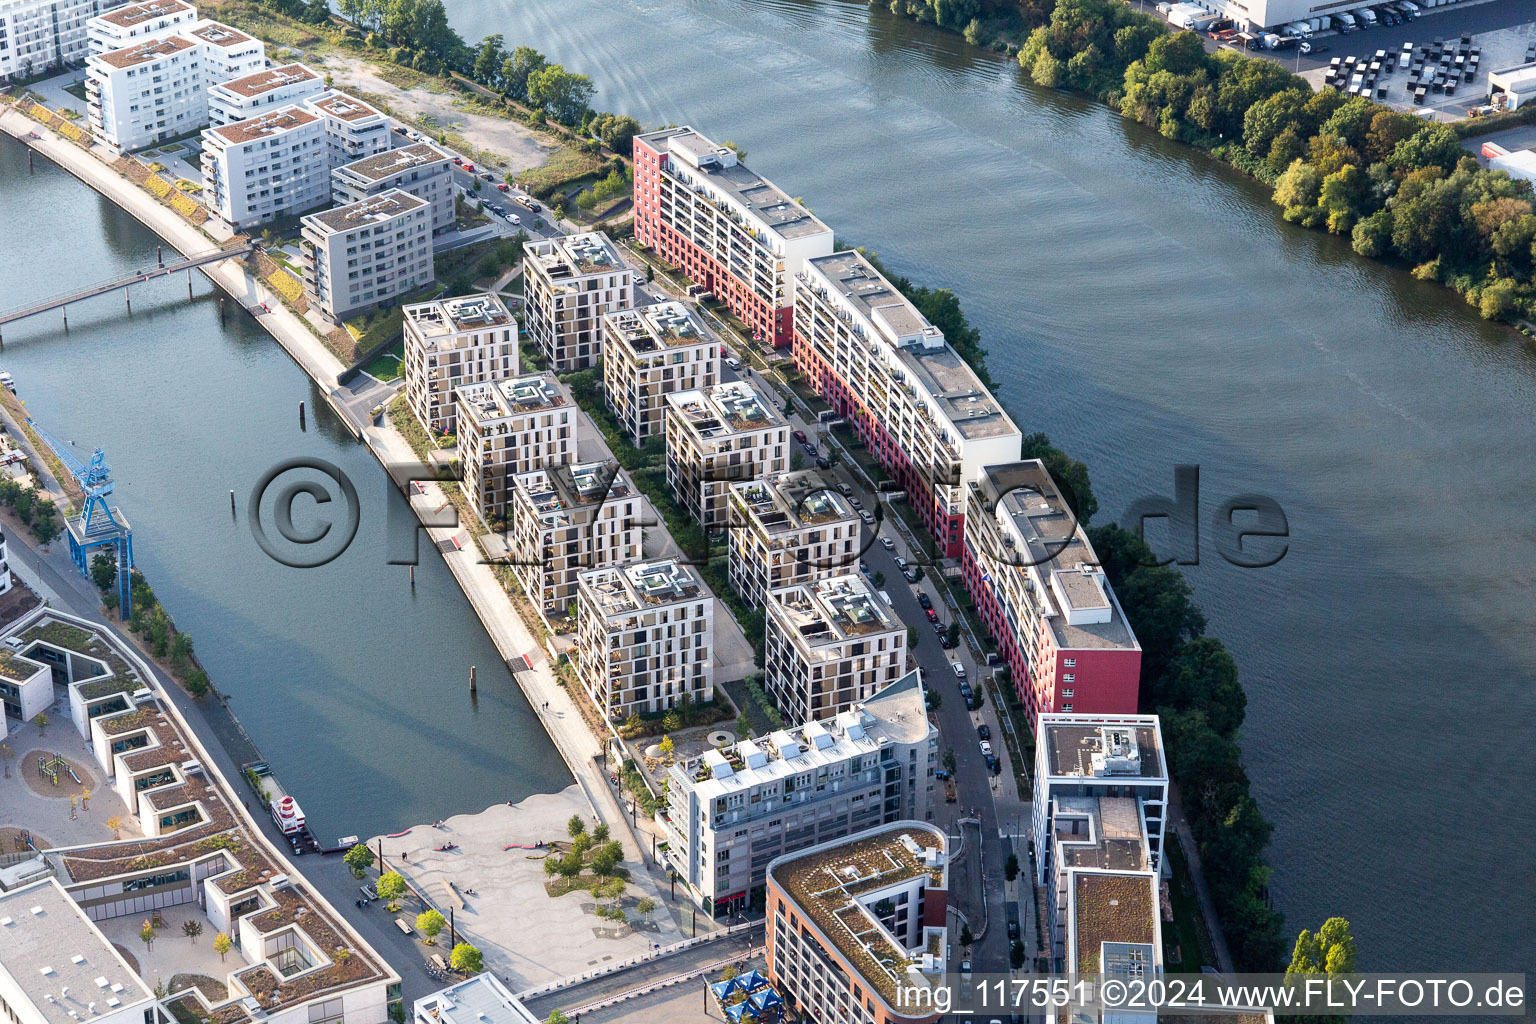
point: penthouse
(570, 284)
(509, 427)
(367, 254)
(645, 636)
(133, 22)
(831, 644)
(353, 129)
(925, 415)
(196, 851)
(452, 343)
(649, 353)
(1098, 755)
(420, 169)
(728, 228)
(717, 436)
(855, 922)
(242, 98)
(787, 528)
(565, 520)
(1044, 597)
(733, 810)
(265, 167)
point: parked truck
(1367, 17)
(1345, 22)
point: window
(1069, 662)
(1067, 708)
(1069, 678)
(1067, 694)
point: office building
(241, 99)
(649, 353)
(925, 415)
(451, 343)
(727, 228)
(366, 255)
(731, 811)
(831, 644)
(508, 427)
(420, 169)
(353, 129)
(646, 637)
(788, 528)
(717, 436)
(1043, 596)
(272, 165)
(569, 284)
(857, 927)
(565, 520)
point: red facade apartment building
(729, 229)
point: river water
(1142, 306)
(353, 686)
(1146, 309)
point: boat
(7, 381)
(289, 816)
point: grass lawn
(565, 165)
(77, 91)
(389, 364)
(1185, 934)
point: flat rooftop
(919, 348)
(517, 396)
(263, 82)
(482, 999)
(643, 586)
(394, 161)
(1113, 749)
(721, 410)
(662, 325)
(136, 14)
(440, 317)
(835, 884)
(1111, 908)
(216, 34)
(591, 252)
(343, 107)
(831, 609)
(143, 53)
(784, 502)
(719, 170)
(272, 123)
(1113, 840)
(62, 962)
(565, 489)
(367, 211)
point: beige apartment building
(717, 436)
(570, 283)
(366, 255)
(831, 643)
(646, 637)
(450, 343)
(565, 520)
(652, 352)
(788, 528)
(509, 427)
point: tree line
(1398, 187)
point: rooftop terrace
(658, 327)
(366, 212)
(785, 502)
(344, 108)
(725, 409)
(519, 396)
(575, 255)
(441, 317)
(136, 14)
(143, 53)
(643, 586)
(215, 34)
(1117, 748)
(567, 488)
(264, 126)
(831, 609)
(394, 161)
(263, 82)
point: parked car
(864, 567)
(887, 543)
(823, 463)
(799, 435)
(458, 161)
(733, 363)
(925, 600)
(855, 502)
(933, 616)
(503, 187)
(901, 563)
(986, 749)
(1013, 931)
(513, 218)
(938, 627)
(845, 490)
(470, 168)
(947, 644)
(984, 731)
(912, 575)
(488, 176)
(959, 669)
(810, 450)
(866, 517)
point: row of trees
(151, 622)
(38, 514)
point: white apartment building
(482, 999)
(645, 637)
(717, 436)
(788, 528)
(1080, 756)
(36, 35)
(857, 928)
(366, 254)
(728, 228)
(421, 169)
(831, 644)
(731, 811)
(888, 371)
(353, 129)
(649, 353)
(565, 520)
(569, 284)
(452, 343)
(241, 99)
(157, 88)
(134, 23)
(509, 427)
(269, 166)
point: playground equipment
(24, 841)
(51, 766)
(98, 525)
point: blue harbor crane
(97, 525)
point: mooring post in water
(160, 255)
(128, 300)
(65, 310)
(231, 502)
(472, 679)
(301, 416)
(189, 284)
(413, 577)
(30, 154)
(221, 311)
